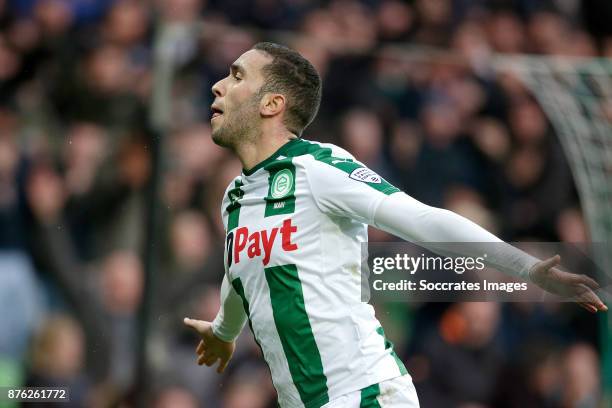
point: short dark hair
(294, 76)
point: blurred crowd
(75, 142)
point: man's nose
(217, 88)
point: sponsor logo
(281, 184)
(366, 175)
(259, 244)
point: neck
(260, 148)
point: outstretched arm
(346, 188)
(437, 228)
(407, 218)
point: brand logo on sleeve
(282, 184)
(366, 175)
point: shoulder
(317, 150)
(330, 149)
(326, 164)
(311, 154)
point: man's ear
(272, 104)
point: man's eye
(236, 77)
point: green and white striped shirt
(295, 224)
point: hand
(211, 348)
(580, 288)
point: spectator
(121, 294)
(464, 341)
(58, 359)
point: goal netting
(576, 95)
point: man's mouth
(216, 112)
